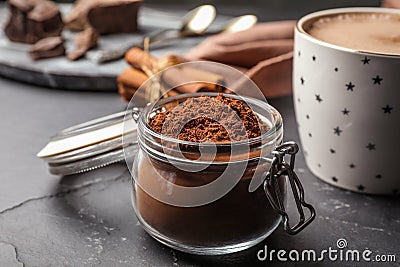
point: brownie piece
(105, 16)
(47, 48)
(32, 20)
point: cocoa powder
(236, 218)
(209, 119)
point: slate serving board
(61, 73)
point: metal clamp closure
(279, 170)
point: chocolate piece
(87, 38)
(47, 48)
(77, 54)
(84, 41)
(105, 16)
(120, 16)
(76, 19)
(178, 122)
(32, 20)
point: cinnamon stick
(134, 78)
(193, 80)
(127, 90)
(189, 79)
(138, 58)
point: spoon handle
(103, 56)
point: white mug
(347, 106)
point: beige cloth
(264, 53)
(391, 3)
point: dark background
(265, 9)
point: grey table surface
(87, 219)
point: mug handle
(280, 170)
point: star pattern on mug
(337, 131)
(350, 86)
(371, 146)
(360, 187)
(365, 60)
(345, 111)
(377, 80)
(387, 109)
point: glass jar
(207, 198)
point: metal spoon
(195, 22)
(239, 24)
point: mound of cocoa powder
(209, 119)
